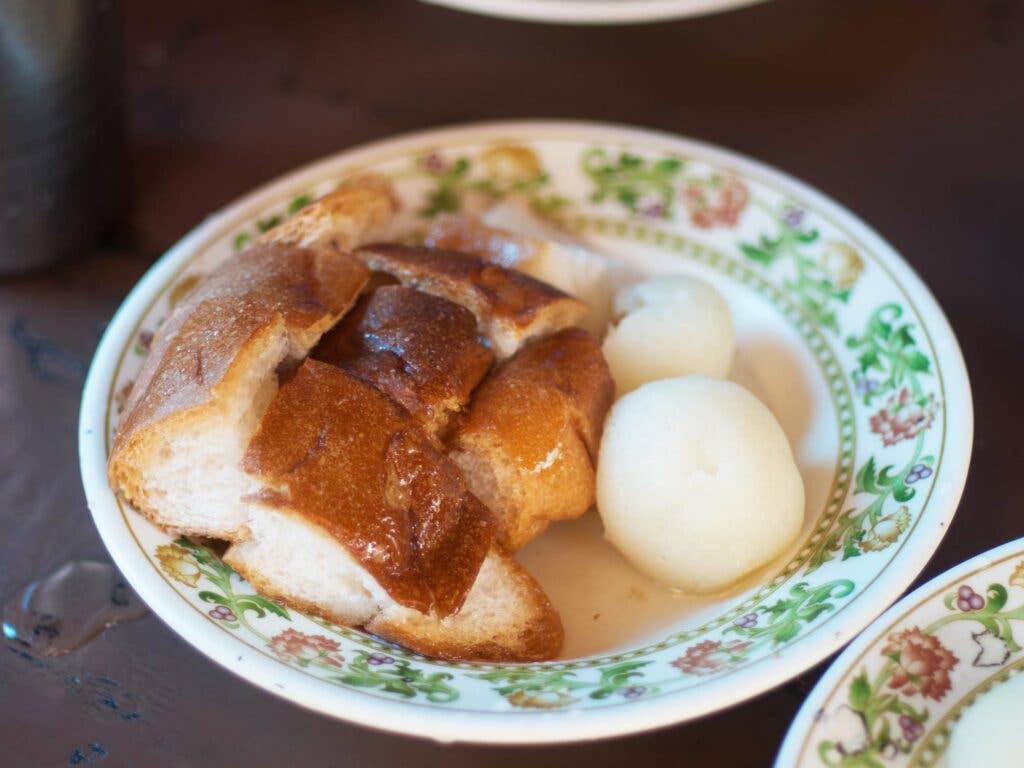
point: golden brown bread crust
(538, 637)
(358, 210)
(421, 350)
(571, 363)
(349, 460)
(200, 343)
(509, 306)
(465, 234)
(528, 443)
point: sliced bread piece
(528, 444)
(213, 366)
(421, 350)
(358, 211)
(511, 235)
(505, 617)
(211, 371)
(510, 307)
(364, 521)
(468, 234)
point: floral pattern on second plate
(888, 708)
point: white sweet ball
(671, 325)
(696, 482)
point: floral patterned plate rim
(884, 437)
(896, 695)
(595, 11)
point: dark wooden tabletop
(910, 112)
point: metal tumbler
(62, 169)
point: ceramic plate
(835, 333)
(594, 11)
(897, 696)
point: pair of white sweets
(696, 481)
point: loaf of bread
(528, 444)
(376, 475)
(213, 366)
(421, 350)
(510, 307)
(389, 536)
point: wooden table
(909, 112)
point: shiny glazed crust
(421, 350)
(528, 443)
(510, 307)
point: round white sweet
(671, 325)
(696, 482)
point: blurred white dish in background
(937, 680)
(594, 11)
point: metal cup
(62, 169)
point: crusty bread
(511, 235)
(505, 617)
(359, 211)
(334, 498)
(468, 234)
(390, 537)
(210, 373)
(213, 365)
(421, 350)
(510, 307)
(528, 444)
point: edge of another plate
(593, 12)
(793, 744)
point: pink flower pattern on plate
(710, 656)
(903, 417)
(302, 649)
(922, 662)
(715, 206)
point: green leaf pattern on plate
(398, 676)
(461, 183)
(553, 688)
(822, 276)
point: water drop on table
(70, 607)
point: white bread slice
(363, 521)
(212, 369)
(510, 307)
(211, 372)
(528, 444)
(511, 235)
(505, 617)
